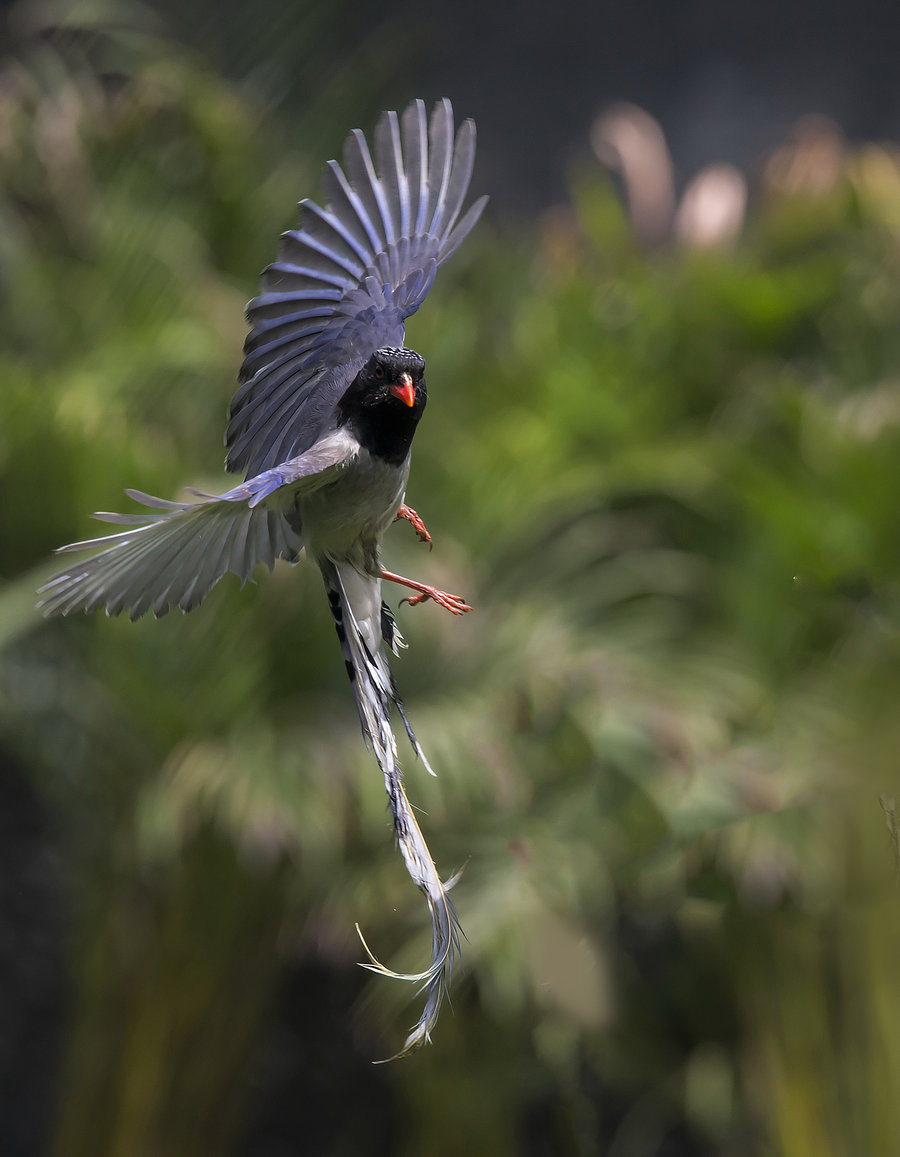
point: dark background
(725, 81)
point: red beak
(404, 391)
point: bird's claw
(452, 603)
(407, 513)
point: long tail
(361, 621)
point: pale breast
(347, 518)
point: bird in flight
(321, 427)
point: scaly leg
(419, 526)
(452, 603)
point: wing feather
(440, 160)
(346, 205)
(266, 354)
(459, 175)
(285, 277)
(361, 173)
(414, 127)
(306, 246)
(389, 157)
(344, 282)
(322, 224)
(463, 229)
(175, 556)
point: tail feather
(390, 633)
(375, 691)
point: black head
(384, 402)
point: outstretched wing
(176, 555)
(344, 283)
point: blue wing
(344, 283)
(176, 555)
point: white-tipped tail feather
(359, 626)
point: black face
(384, 402)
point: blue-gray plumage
(321, 425)
(344, 284)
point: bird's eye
(379, 371)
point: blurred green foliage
(670, 484)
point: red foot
(419, 526)
(452, 603)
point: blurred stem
(824, 989)
(154, 1067)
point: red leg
(419, 526)
(452, 603)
